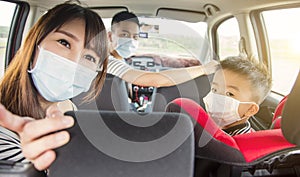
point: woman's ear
(253, 109)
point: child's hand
(36, 136)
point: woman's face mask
(126, 46)
(223, 109)
(57, 78)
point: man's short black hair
(125, 16)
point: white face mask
(223, 109)
(57, 78)
(126, 46)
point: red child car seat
(266, 152)
(276, 121)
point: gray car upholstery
(113, 96)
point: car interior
(155, 135)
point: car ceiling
(150, 7)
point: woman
(58, 60)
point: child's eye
(229, 94)
(65, 43)
(90, 58)
(213, 90)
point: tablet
(126, 144)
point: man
(124, 35)
(123, 39)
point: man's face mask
(126, 47)
(223, 109)
(57, 78)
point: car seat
(276, 121)
(127, 144)
(194, 89)
(260, 153)
(113, 96)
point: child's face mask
(126, 46)
(223, 109)
(57, 78)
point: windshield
(171, 43)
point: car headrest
(127, 144)
(113, 96)
(291, 115)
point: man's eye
(124, 35)
(90, 58)
(213, 90)
(229, 94)
(65, 43)
(136, 37)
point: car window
(228, 34)
(283, 32)
(7, 10)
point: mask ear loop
(30, 66)
(100, 69)
(100, 65)
(250, 109)
(244, 118)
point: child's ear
(254, 108)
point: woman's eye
(90, 58)
(213, 90)
(65, 43)
(229, 94)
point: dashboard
(146, 63)
(141, 96)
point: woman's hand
(37, 136)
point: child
(238, 87)
(236, 91)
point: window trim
(262, 37)
(260, 32)
(16, 29)
(214, 36)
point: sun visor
(181, 14)
(109, 11)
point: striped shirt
(10, 146)
(117, 67)
(239, 129)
